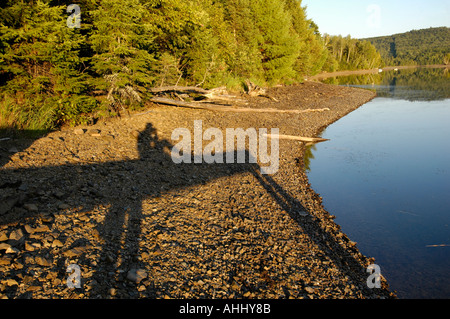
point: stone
(136, 275)
(7, 203)
(31, 207)
(4, 246)
(16, 235)
(310, 290)
(12, 250)
(3, 236)
(4, 261)
(41, 261)
(11, 282)
(63, 206)
(78, 131)
(42, 229)
(57, 243)
(29, 247)
(59, 194)
(23, 187)
(75, 252)
(302, 213)
(29, 229)
(94, 132)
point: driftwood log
(214, 107)
(297, 138)
(220, 94)
(255, 90)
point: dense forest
(61, 63)
(350, 54)
(417, 47)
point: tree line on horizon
(52, 74)
(417, 47)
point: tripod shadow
(122, 186)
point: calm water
(385, 174)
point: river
(385, 175)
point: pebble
(136, 275)
(12, 250)
(31, 207)
(57, 243)
(4, 261)
(141, 227)
(41, 261)
(3, 236)
(4, 246)
(63, 206)
(41, 229)
(16, 235)
(29, 229)
(78, 131)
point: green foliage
(350, 54)
(417, 47)
(41, 66)
(121, 40)
(51, 74)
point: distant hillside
(417, 47)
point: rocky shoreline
(108, 200)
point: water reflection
(385, 174)
(417, 84)
(308, 156)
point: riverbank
(109, 200)
(327, 75)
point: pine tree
(122, 40)
(245, 61)
(44, 81)
(278, 45)
(312, 51)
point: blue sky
(369, 18)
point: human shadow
(121, 187)
(340, 253)
(14, 141)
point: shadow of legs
(322, 236)
(120, 231)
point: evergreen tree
(278, 45)
(41, 66)
(245, 60)
(312, 50)
(351, 54)
(52, 74)
(121, 40)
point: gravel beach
(108, 200)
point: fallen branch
(219, 94)
(212, 107)
(192, 105)
(254, 90)
(297, 138)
